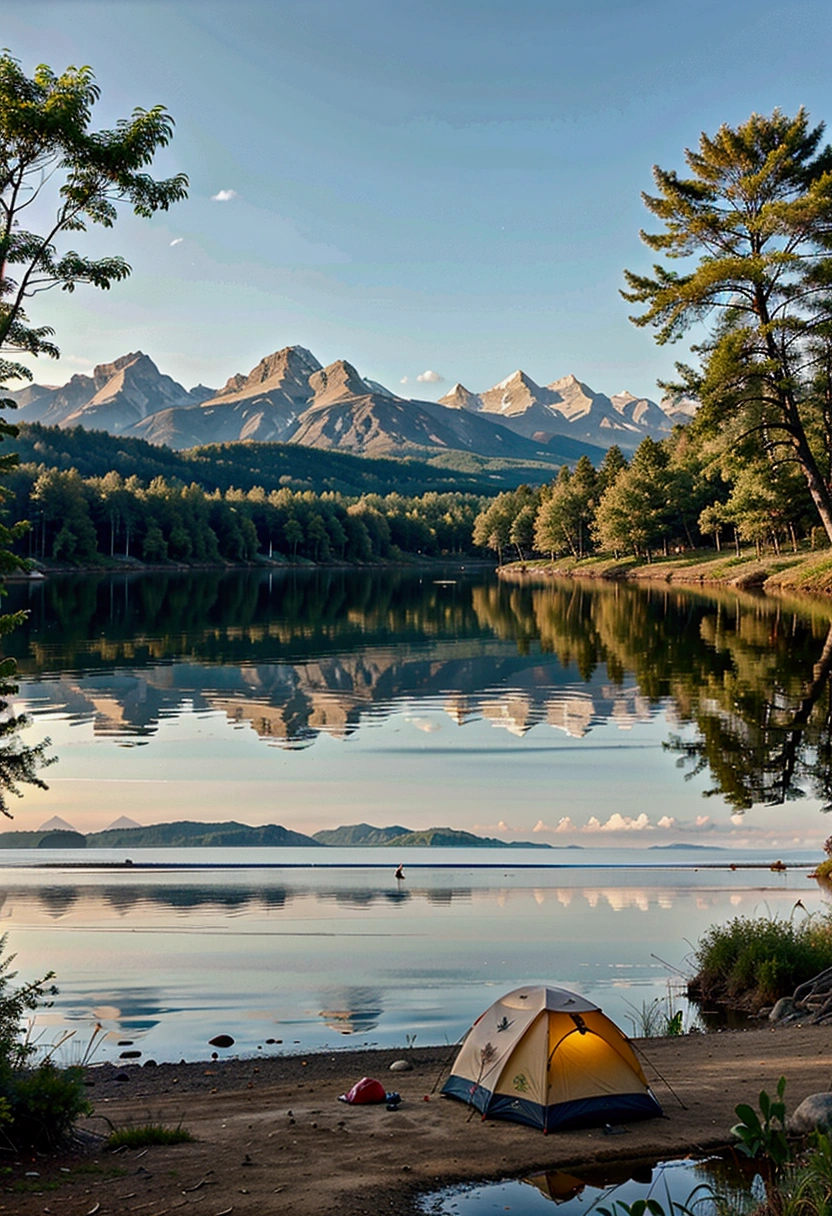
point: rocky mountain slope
(290, 397)
(570, 407)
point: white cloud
(565, 825)
(224, 196)
(540, 826)
(429, 377)
(176, 241)
(666, 821)
(403, 380)
(701, 820)
(619, 823)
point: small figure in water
(400, 870)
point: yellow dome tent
(552, 1059)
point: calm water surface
(603, 721)
(330, 957)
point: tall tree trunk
(815, 482)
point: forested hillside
(221, 466)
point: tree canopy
(756, 215)
(69, 175)
(55, 167)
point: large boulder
(782, 1009)
(813, 1114)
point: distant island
(700, 848)
(186, 834)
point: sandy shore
(272, 1139)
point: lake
(327, 956)
(652, 738)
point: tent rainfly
(552, 1059)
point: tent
(552, 1059)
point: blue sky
(450, 186)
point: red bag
(365, 1090)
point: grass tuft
(147, 1135)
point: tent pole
(658, 1074)
(447, 1062)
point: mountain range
(290, 398)
(187, 834)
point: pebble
(221, 1040)
(401, 1066)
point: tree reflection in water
(752, 673)
(294, 655)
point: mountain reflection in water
(295, 655)
(303, 959)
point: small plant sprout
(767, 1137)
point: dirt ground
(272, 1139)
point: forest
(680, 493)
(77, 520)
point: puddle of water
(686, 1182)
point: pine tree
(756, 215)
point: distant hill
(451, 837)
(62, 839)
(363, 834)
(359, 834)
(198, 835)
(700, 848)
(220, 466)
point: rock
(122, 1076)
(129, 1055)
(401, 1066)
(813, 1114)
(221, 1040)
(782, 1009)
(150, 1064)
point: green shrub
(824, 869)
(753, 962)
(43, 1104)
(38, 1103)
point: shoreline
(802, 574)
(272, 1138)
(41, 571)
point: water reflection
(312, 957)
(682, 1185)
(353, 1010)
(294, 656)
(658, 894)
